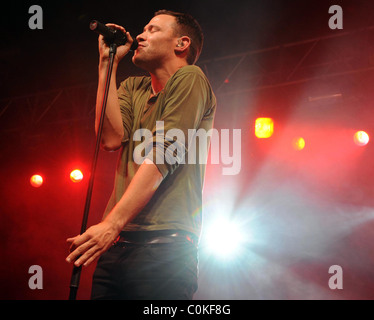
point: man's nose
(140, 37)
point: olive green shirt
(186, 103)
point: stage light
(361, 138)
(76, 176)
(36, 180)
(299, 143)
(224, 238)
(264, 128)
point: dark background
(303, 211)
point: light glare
(224, 238)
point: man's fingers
(79, 245)
(129, 37)
(88, 246)
(90, 256)
(79, 240)
(116, 26)
(71, 240)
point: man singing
(147, 241)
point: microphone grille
(93, 25)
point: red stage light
(361, 138)
(36, 180)
(264, 128)
(76, 176)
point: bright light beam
(224, 238)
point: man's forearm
(139, 192)
(88, 246)
(113, 131)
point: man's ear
(183, 44)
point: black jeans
(166, 271)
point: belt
(154, 237)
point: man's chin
(140, 63)
(135, 60)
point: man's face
(156, 43)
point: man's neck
(161, 76)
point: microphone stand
(75, 276)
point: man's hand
(87, 247)
(121, 50)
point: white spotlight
(224, 238)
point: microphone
(111, 35)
